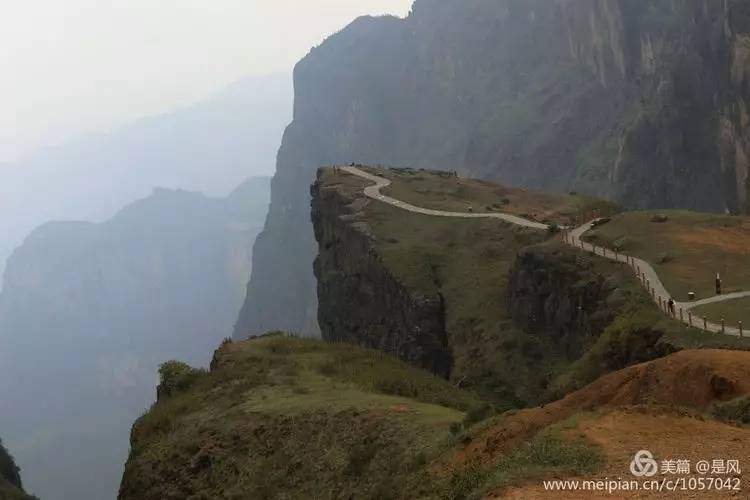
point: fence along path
(642, 269)
(650, 279)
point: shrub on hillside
(8, 468)
(547, 454)
(479, 413)
(175, 376)
(737, 410)
(601, 221)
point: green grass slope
(442, 191)
(282, 417)
(687, 250)
(467, 262)
(731, 311)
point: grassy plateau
(687, 250)
(731, 311)
(442, 191)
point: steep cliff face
(594, 315)
(509, 311)
(89, 311)
(641, 102)
(559, 293)
(434, 290)
(362, 301)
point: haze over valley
(393, 249)
(209, 147)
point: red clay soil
(667, 434)
(691, 379)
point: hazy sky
(77, 66)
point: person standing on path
(718, 284)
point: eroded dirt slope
(692, 379)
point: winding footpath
(650, 280)
(642, 269)
(380, 183)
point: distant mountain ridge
(209, 147)
(90, 310)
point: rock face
(595, 315)
(511, 312)
(361, 301)
(559, 294)
(89, 311)
(642, 102)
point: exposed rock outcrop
(361, 300)
(557, 292)
(592, 313)
(642, 102)
(511, 312)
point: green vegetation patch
(732, 311)
(640, 332)
(550, 453)
(10, 478)
(175, 376)
(467, 263)
(687, 249)
(375, 371)
(737, 410)
(442, 191)
(293, 418)
(9, 491)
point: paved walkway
(717, 298)
(643, 270)
(650, 279)
(380, 183)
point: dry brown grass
(667, 433)
(687, 251)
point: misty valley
(449, 249)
